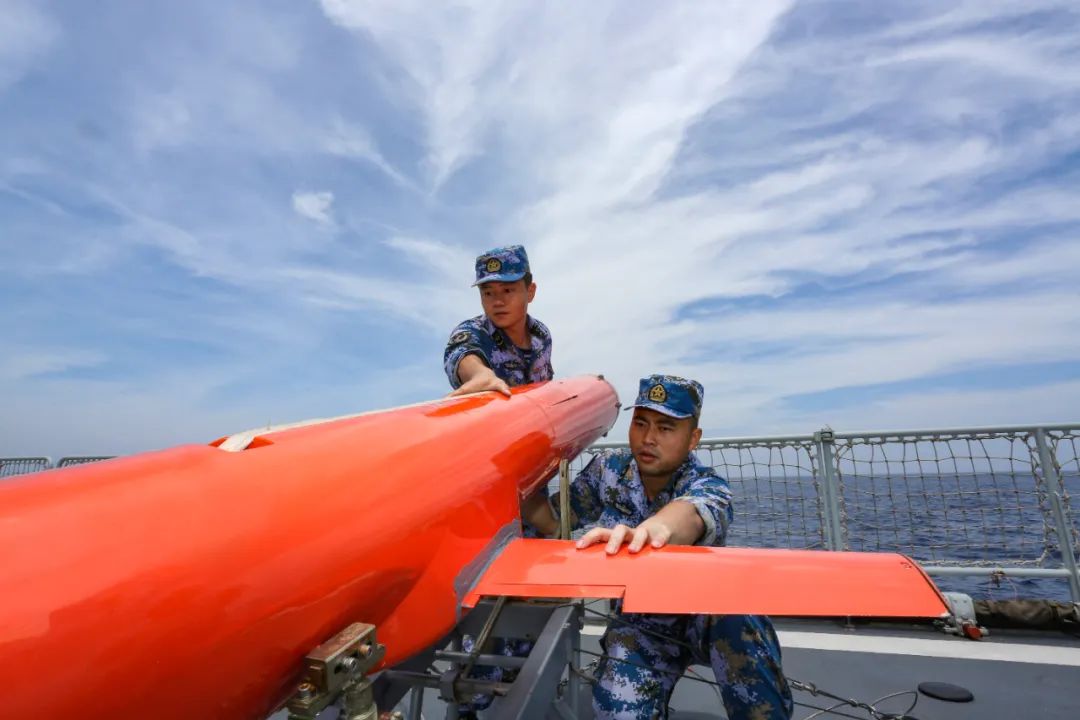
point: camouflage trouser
(499, 646)
(743, 651)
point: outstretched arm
(476, 376)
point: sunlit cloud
(862, 217)
(314, 206)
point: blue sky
(217, 215)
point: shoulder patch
(460, 337)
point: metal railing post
(564, 499)
(826, 450)
(1055, 492)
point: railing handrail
(915, 489)
(849, 435)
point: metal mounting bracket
(338, 668)
(961, 619)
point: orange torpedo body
(190, 582)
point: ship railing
(11, 466)
(982, 501)
(81, 460)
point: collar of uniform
(532, 326)
(536, 328)
(688, 466)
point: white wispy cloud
(569, 83)
(355, 142)
(314, 206)
(18, 365)
(607, 124)
(781, 199)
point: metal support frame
(538, 680)
(961, 619)
(533, 693)
(389, 689)
(830, 488)
(1055, 492)
(518, 618)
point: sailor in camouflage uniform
(505, 346)
(658, 493)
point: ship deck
(1011, 674)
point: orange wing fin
(716, 581)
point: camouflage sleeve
(711, 496)
(549, 371)
(466, 339)
(585, 506)
(543, 362)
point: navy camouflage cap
(670, 395)
(505, 264)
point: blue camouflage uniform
(514, 366)
(479, 336)
(648, 653)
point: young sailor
(500, 349)
(505, 346)
(657, 493)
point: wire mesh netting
(774, 484)
(777, 498)
(944, 498)
(1065, 447)
(971, 499)
(964, 498)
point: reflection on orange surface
(457, 405)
